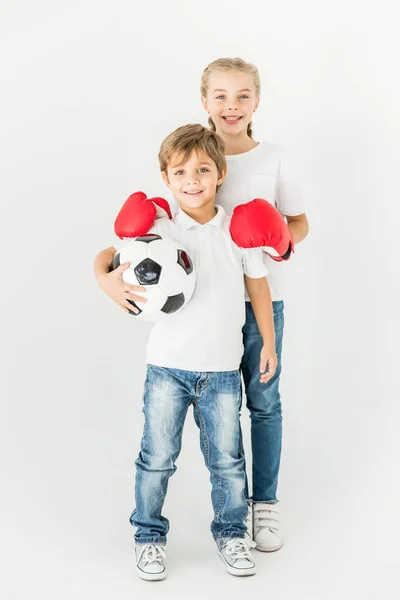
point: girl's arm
(260, 297)
(298, 225)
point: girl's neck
(237, 144)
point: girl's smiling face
(231, 101)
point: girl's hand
(268, 359)
(114, 286)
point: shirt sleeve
(253, 264)
(289, 198)
(165, 228)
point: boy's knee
(155, 461)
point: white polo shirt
(206, 335)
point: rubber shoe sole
(237, 572)
(151, 576)
(260, 549)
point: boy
(193, 356)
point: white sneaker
(267, 534)
(237, 558)
(249, 524)
(150, 561)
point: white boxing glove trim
(270, 250)
(160, 212)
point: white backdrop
(89, 90)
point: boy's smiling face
(193, 182)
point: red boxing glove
(259, 224)
(138, 214)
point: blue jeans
(264, 403)
(216, 399)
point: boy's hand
(268, 359)
(114, 286)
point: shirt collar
(187, 222)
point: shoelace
(267, 517)
(239, 548)
(153, 553)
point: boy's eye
(178, 173)
(204, 169)
(243, 96)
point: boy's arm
(111, 282)
(102, 264)
(260, 297)
(137, 216)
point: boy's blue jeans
(264, 403)
(216, 399)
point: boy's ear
(204, 103)
(222, 177)
(165, 178)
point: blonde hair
(230, 64)
(193, 138)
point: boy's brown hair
(192, 138)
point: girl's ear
(165, 179)
(204, 103)
(257, 103)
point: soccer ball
(164, 268)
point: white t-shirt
(206, 335)
(262, 172)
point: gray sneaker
(151, 561)
(268, 535)
(237, 558)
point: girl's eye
(243, 96)
(218, 97)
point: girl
(230, 93)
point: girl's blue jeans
(264, 403)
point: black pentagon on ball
(136, 306)
(148, 237)
(173, 304)
(185, 261)
(148, 272)
(115, 261)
